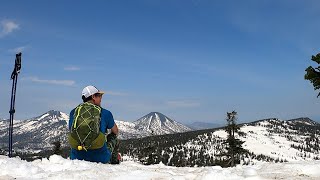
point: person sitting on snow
(88, 125)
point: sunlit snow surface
(58, 168)
(276, 145)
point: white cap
(90, 90)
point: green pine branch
(313, 74)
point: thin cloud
(72, 68)
(18, 49)
(55, 82)
(112, 93)
(183, 103)
(7, 27)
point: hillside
(37, 133)
(268, 140)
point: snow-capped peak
(156, 123)
(52, 115)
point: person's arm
(114, 129)
(109, 122)
(71, 118)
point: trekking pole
(14, 77)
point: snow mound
(59, 168)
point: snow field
(57, 167)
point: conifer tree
(57, 148)
(234, 145)
(313, 74)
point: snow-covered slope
(127, 130)
(36, 133)
(283, 140)
(270, 140)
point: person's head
(92, 94)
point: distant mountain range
(204, 125)
(295, 139)
(36, 133)
(40, 132)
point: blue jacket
(103, 154)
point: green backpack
(85, 131)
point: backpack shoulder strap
(76, 115)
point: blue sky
(191, 60)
